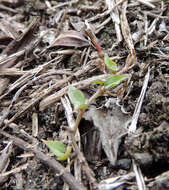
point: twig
(82, 159)
(15, 170)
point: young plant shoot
(59, 149)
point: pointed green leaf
(66, 154)
(57, 147)
(77, 98)
(114, 80)
(111, 65)
(96, 80)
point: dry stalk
(126, 29)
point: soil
(44, 49)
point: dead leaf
(112, 126)
(71, 38)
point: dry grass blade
(115, 182)
(29, 76)
(115, 18)
(152, 27)
(69, 113)
(16, 170)
(147, 3)
(114, 13)
(4, 59)
(12, 72)
(4, 161)
(89, 173)
(126, 29)
(4, 157)
(17, 46)
(133, 125)
(3, 85)
(139, 177)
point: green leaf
(96, 80)
(66, 154)
(112, 66)
(77, 98)
(57, 147)
(114, 80)
(82, 107)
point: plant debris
(93, 76)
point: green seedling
(66, 154)
(96, 80)
(110, 82)
(114, 80)
(77, 98)
(59, 150)
(111, 65)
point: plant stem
(78, 119)
(98, 93)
